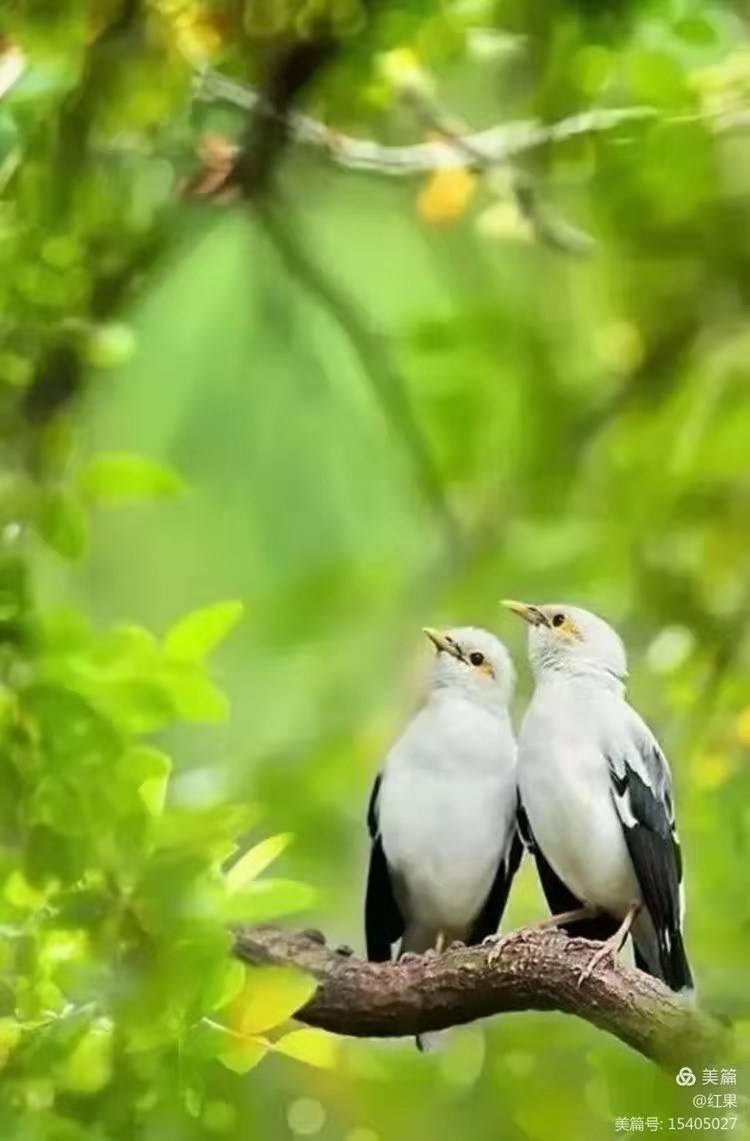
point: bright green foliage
(114, 477)
(114, 905)
(195, 636)
(408, 398)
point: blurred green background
(586, 419)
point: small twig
(531, 970)
(545, 224)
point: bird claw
(611, 946)
(494, 942)
(608, 951)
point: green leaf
(10, 1034)
(249, 866)
(89, 1067)
(315, 1047)
(266, 899)
(110, 345)
(195, 696)
(120, 476)
(20, 893)
(211, 829)
(62, 522)
(227, 982)
(194, 637)
(74, 734)
(152, 769)
(135, 705)
(270, 996)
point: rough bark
(531, 970)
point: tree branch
(268, 121)
(532, 970)
(494, 145)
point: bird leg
(554, 921)
(574, 916)
(422, 1041)
(438, 946)
(611, 946)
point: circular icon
(685, 1077)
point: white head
(569, 640)
(474, 663)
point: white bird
(596, 790)
(442, 814)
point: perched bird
(596, 791)
(442, 814)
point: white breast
(565, 789)
(447, 807)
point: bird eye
(558, 619)
(476, 658)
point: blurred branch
(268, 122)
(60, 370)
(492, 147)
(531, 970)
(373, 354)
(249, 169)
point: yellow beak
(439, 640)
(531, 614)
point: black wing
(488, 920)
(384, 924)
(559, 897)
(642, 794)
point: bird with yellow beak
(596, 793)
(442, 815)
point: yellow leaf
(447, 195)
(256, 861)
(312, 1046)
(270, 996)
(242, 1054)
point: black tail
(674, 962)
(673, 966)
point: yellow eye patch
(570, 630)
